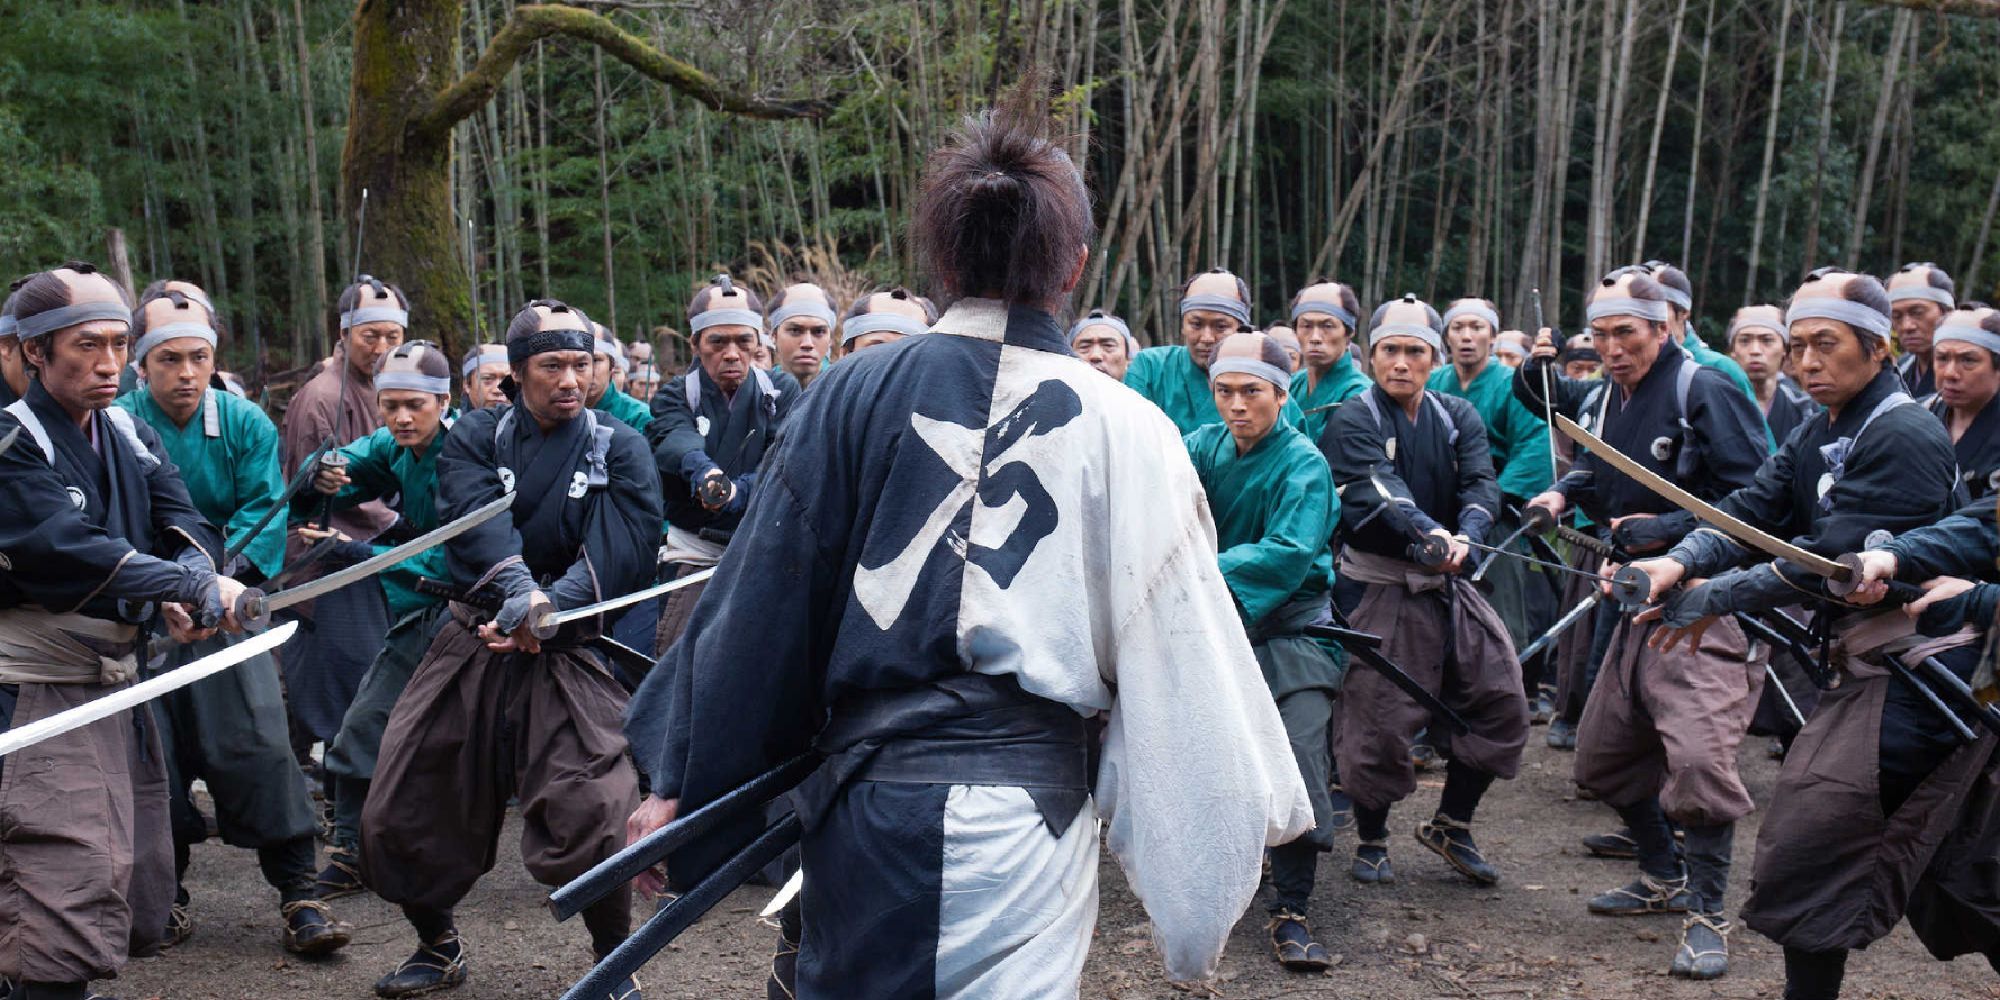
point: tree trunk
(316, 217)
(604, 198)
(1985, 233)
(1694, 147)
(121, 261)
(1884, 100)
(1825, 136)
(1770, 152)
(1659, 126)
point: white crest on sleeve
(76, 497)
(506, 479)
(579, 484)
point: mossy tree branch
(533, 22)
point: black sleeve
(621, 532)
(1478, 487)
(1366, 480)
(468, 478)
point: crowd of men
(892, 510)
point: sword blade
(1563, 624)
(1815, 564)
(142, 692)
(375, 564)
(8, 441)
(630, 599)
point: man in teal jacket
(1214, 304)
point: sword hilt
(251, 610)
(1537, 520)
(1845, 584)
(1630, 587)
(542, 619)
(1430, 551)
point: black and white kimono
(475, 727)
(1978, 449)
(95, 528)
(1846, 836)
(936, 591)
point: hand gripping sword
(254, 607)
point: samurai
(1104, 342)
(1760, 344)
(13, 369)
(396, 464)
(1920, 295)
(608, 368)
(1324, 314)
(1275, 511)
(230, 730)
(340, 632)
(480, 374)
(801, 320)
(1965, 360)
(711, 429)
(100, 543)
(884, 317)
(939, 595)
(1847, 832)
(1214, 304)
(1658, 738)
(1411, 463)
(493, 712)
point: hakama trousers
(474, 728)
(351, 757)
(86, 855)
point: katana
(680, 914)
(1548, 389)
(1942, 679)
(1735, 528)
(138, 694)
(1366, 648)
(1791, 707)
(8, 441)
(547, 624)
(1563, 624)
(308, 470)
(1535, 520)
(254, 607)
(1630, 585)
(653, 848)
(1759, 630)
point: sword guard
(1431, 551)
(1537, 520)
(251, 612)
(1630, 587)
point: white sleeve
(1198, 776)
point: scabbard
(1365, 647)
(680, 914)
(650, 850)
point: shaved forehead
(1325, 291)
(1256, 347)
(1832, 285)
(1284, 335)
(1223, 284)
(1400, 313)
(883, 302)
(89, 287)
(552, 320)
(806, 291)
(161, 311)
(1916, 277)
(1967, 318)
(1768, 317)
(1620, 287)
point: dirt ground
(1431, 935)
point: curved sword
(1817, 565)
(254, 607)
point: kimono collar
(1882, 393)
(1013, 325)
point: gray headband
(1853, 314)
(1250, 366)
(1652, 309)
(7, 325)
(1217, 303)
(1924, 292)
(413, 381)
(1473, 309)
(882, 322)
(1678, 297)
(1115, 323)
(44, 323)
(726, 317)
(1508, 347)
(490, 354)
(172, 331)
(1423, 333)
(1333, 309)
(1736, 325)
(808, 309)
(610, 350)
(375, 314)
(1974, 335)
